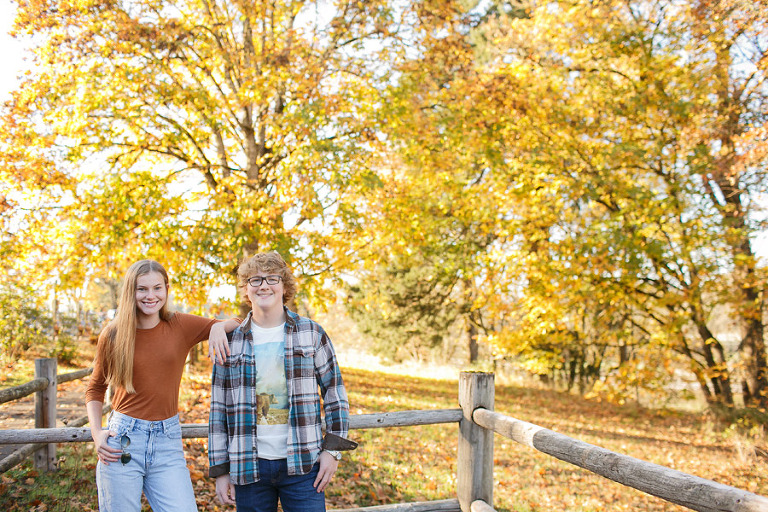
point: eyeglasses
(125, 442)
(256, 281)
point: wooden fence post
(475, 459)
(45, 412)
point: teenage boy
(265, 441)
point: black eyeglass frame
(125, 442)
(271, 280)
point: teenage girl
(141, 354)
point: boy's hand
(225, 490)
(328, 466)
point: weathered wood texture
(481, 506)
(45, 411)
(68, 434)
(45, 435)
(474, 478)
(200, 430)
(423, 506)
(19, 456)
(405, 418)
(674, 486)
(16, 392)
(76, 375)
(39, 384)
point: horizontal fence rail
(481, 506)
(404, 418)
(39, 384)
(16, 392)
(669, 484)
(76, 375)
(423, 506)
(35, 439)
(72, 434)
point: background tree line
(577, 185)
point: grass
(71, 488)
(16, 373)
(419, 463)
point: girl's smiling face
(151, 294)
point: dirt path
(70, 405)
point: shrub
(24, 321)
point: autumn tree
(621, 176)
(578, 183)
(195, 132)
(651, 178)
(429, 223)
(729, 158)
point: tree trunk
(753, 353)
(727, 175)
(472, 342)
(719, 374)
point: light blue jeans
(157, 467)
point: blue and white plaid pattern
(310, 361)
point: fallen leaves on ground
(407, 464)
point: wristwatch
(333, 453)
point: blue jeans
(157, 467)
(296, 492)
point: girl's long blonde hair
(116, 353)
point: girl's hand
(103, 451)
(218, 347)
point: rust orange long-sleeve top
(157, 367)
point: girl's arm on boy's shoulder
(218, 348)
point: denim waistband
(146, 425)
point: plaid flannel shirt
(310, 361)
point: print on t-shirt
(271, 388)
(271, 400)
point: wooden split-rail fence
(478, 424)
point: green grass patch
(70, 488)
(16, 373)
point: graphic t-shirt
(271, 391)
